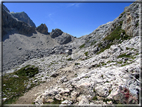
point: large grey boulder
(42, 29)
(22, 16)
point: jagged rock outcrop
(61, 37)
(64, 38)
(10, 23)
(42, 29)
(56, 33)
(22, 16)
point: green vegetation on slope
(15, 84)
(117, 36)
(82, 46)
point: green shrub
(127, 48)
(95, 98)
(124, 55)
(115, 35)
(69, 59)
(86, 53)
(77, 63)
(137, 24)
(92, 43)
(82, 46)
(29, 71)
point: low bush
(82, 46)
(86, 53)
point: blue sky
(77, 19)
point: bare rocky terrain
(101, 68)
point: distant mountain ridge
(22, 16)
(20, 38)
(10, 24)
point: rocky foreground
(106, 78)
(102, 68)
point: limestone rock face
(10, 23)
(42, 29)
(22, 16)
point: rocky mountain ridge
(103, 68)
(22, 16)
(20, 38)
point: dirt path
(30, 96)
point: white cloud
(74, 5)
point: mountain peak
(42, 29)
(22, 16)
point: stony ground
(92, 79)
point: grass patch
(116, 34)
(125, 64)
(93, 43)
(96, 65)
(113, 38)
(95, 98)
(29, 71)
(110, 91)
(108, 61)
(69, 59)
(77, 63)
(15, 84)
(102, 63)
(86, 76)
(124, 55)
(137, 24)
(127, 48)
(82, 46)
(94, 91)
(102, 49)
(86, 53)
(75, 75)
(120, 62)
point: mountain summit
(22, 16)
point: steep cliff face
(22, 16)
(10, 23)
